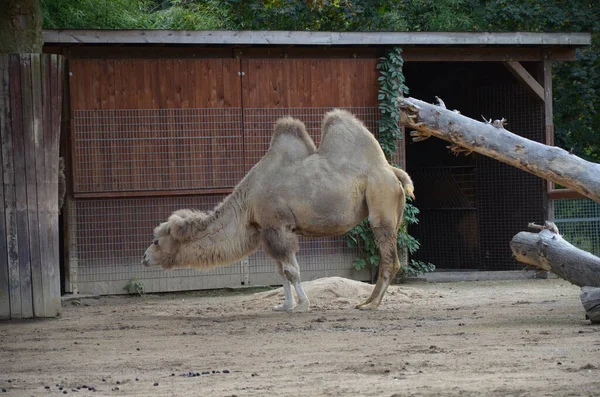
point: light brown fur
(296, 190)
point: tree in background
(20, 27)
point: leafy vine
(391, 86)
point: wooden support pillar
(30, 115)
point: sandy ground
(500, 338)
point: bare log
(590, 298)
(547, 250)
(491, 139)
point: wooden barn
(160, 120)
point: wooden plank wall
(151, 124)
(31, 95)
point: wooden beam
(483, 54)
(561, 194)
(548, 110)
(525, 78)
(74, 36)
(154, 193)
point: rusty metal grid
(578, 221)
(156, 149)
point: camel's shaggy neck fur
(219, 237)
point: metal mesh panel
(507, 197)
(579, 222)
(472, 206)
(108, 237)
(157, 149)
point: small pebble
(205, 372)
(136, 379)
(115, 388)
(155, 383)
(3, 390)
(65, 392)
(60, 388)
(138, 349)
(197, 374)
(172, 374)
(46, 387)
(225, 371)
(118, 382)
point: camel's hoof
(282, 308)
(301, 307)
(367, 306)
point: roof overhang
(305, 38)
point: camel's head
(181, 227)
(163, 250)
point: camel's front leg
(288, 303)
(292, 272)
(281, 244)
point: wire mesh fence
(162, 150)
(471, 206)
(157, 149)
(578, 220)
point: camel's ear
(161, 230)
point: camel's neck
(228, 237)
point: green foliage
(134, 14)
(391, 86)
(135, 286)
(95, 14)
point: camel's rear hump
(345, 137)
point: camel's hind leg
(386, 206)
(282, 246)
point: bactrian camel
(296, 189)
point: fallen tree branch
(547, 250)
(590, 298)
(491, 139)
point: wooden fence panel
(155, 125)
(30, 184)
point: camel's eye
(155, 242)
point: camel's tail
(405, 180)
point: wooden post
(30, 112)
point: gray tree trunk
(547, 250)
(492, 140)
(590, 298)
(20, 26)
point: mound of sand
(338, 292)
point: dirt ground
(487, 338)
